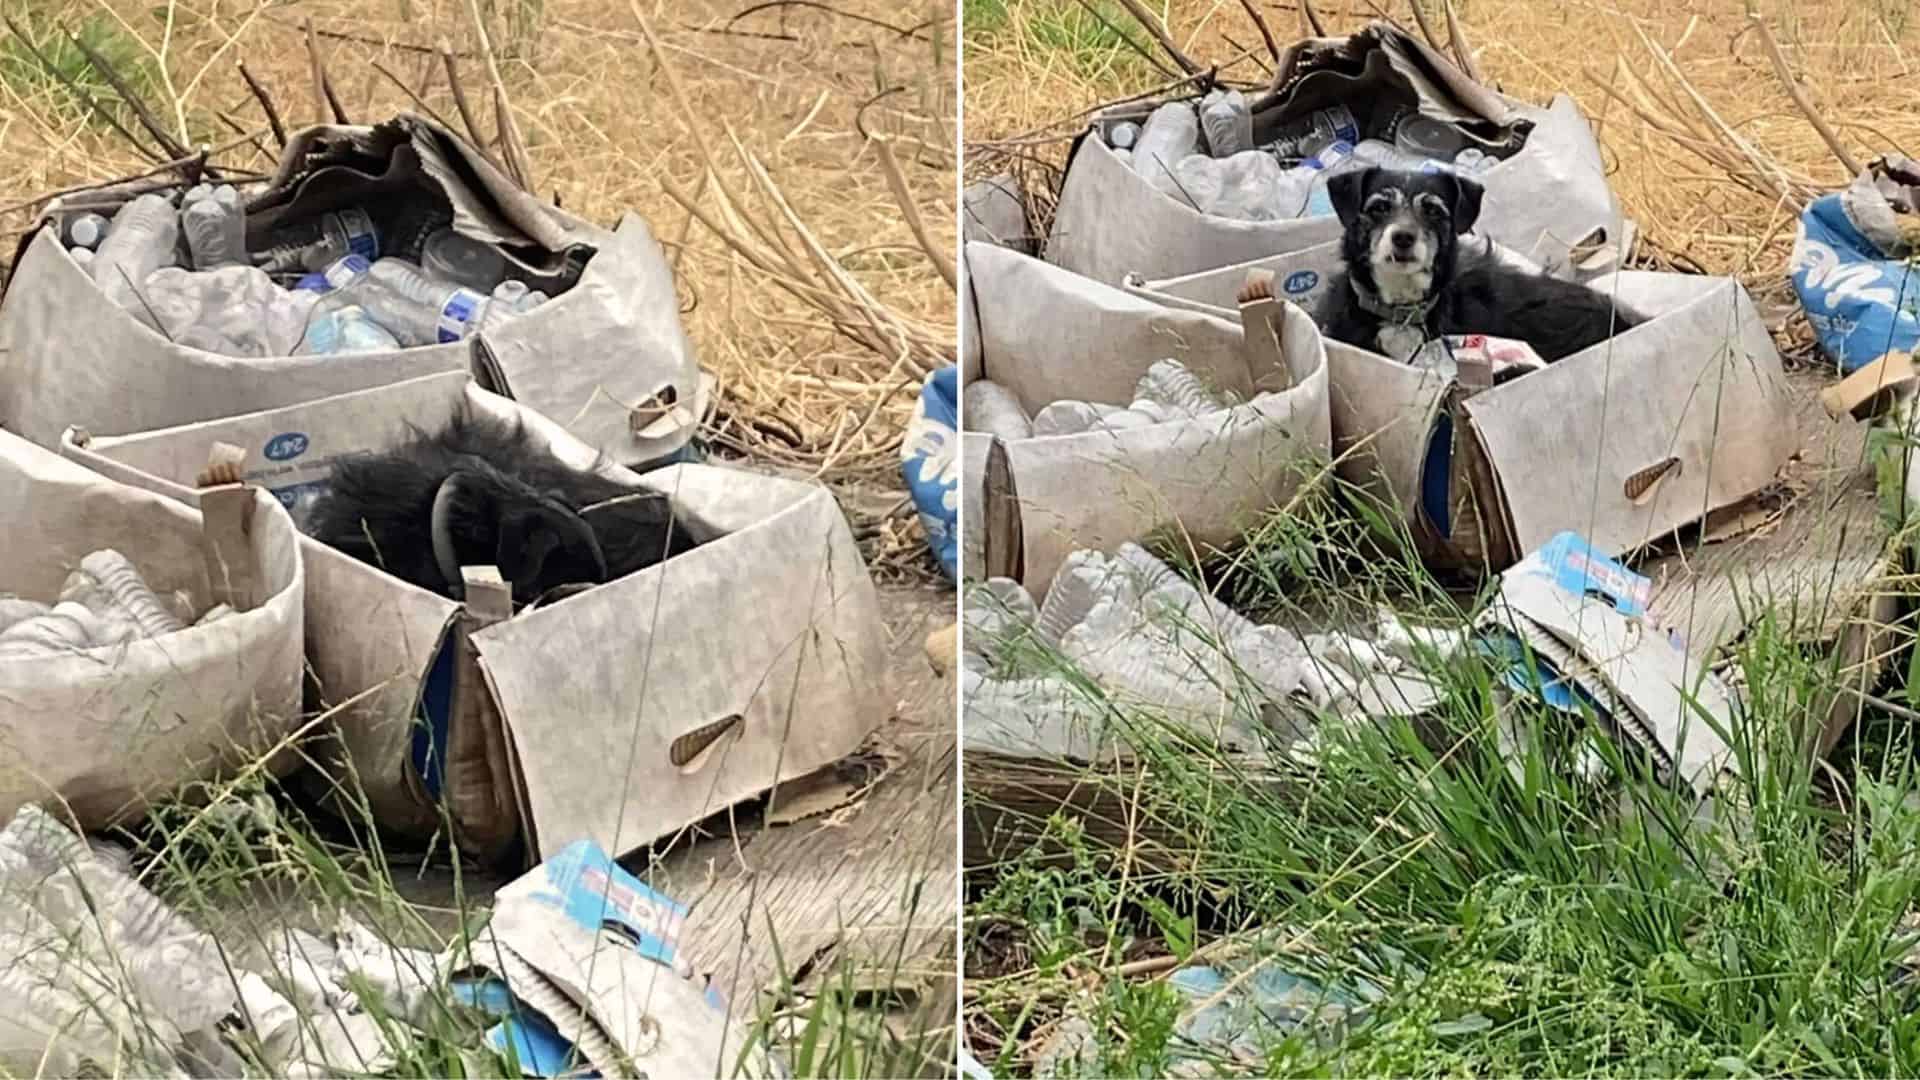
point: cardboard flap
(1596, 609)
(594, 727)
(608, 942)
(1696, 395)
(1870, 389)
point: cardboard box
(630, 386)
(1549, 201)
(1049, 335)
(1627, 441)
(106, 730)
(620, 714)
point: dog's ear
(532, 536)
(1347, 190)
(1467, 194)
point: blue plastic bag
(1862, 303)
(930, 461)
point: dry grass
(1670, 152)
(820, 354)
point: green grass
(1095, 45)
(1498, 913)
(57, 94)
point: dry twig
(266, 104)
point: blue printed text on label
(286, 445)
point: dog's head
(1400, 227)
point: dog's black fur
(1386, 213)
(510, 505)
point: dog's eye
(1431, 206)
(1379, 205)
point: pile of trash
(1168, 391)
(104, 602)
(341, 282)
(1149, 640)
(576, 968)
(1207, 152)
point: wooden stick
(96, 185)
(897, 184)
(418, 101)
(1310, 20)
(324, 103)
(1426, 28)
(266, 105)
(1462, 51)
(359, 39)
(1125, 38)
(460, 104)
(1266, 32)
(85, 98)
(512, 146)
(173, 147)
(1146, 18)
(1797, 93)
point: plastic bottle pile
(1205, 155)
(1145, 635)
(104, 602)
(321, 287)
(1168, 391)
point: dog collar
(1400, 314)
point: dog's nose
(1403, 240)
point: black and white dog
(1408, 279)
(484, 491)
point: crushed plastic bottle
(316, 244)
(233, 311)
(140, 240)
(216, 226)
(347, 329)
(448, 254)
(1172, 133)
(413, 306)
(1123, 135)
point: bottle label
(362, 240)
(458, 313)
(344, 270)
(314, 283)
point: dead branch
(1462, 51)
(829, 9)
(1426, 28)
(460, 106)
(897, 185)
(1153, 26)
(1125, 38)
(325, 103)
(1798, 93)
(1310, 20)
(1266, 32)
(512, 146)
(181, 166)
(174, 147)
(418, 101)
(266, 105)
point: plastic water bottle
(347, 329)
(1323, 164)
(1172, 133)
(413, 306)
(447, 254)
(1124, 135)
(1228, 122)
(86, 231)
(140, 241)
(82, 256)
(317, 244)
(216, 226)
(1473, 161)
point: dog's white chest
(1400, 341)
